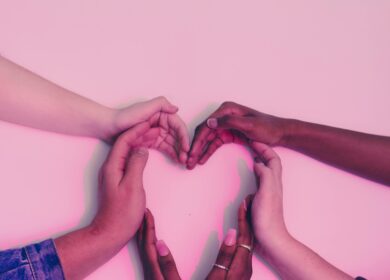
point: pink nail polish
(230, 238)
(162, 248)
(212, 123)
(244, 204)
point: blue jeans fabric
(37, 261)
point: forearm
(360, 153)
(84, 250)
(293, 260)
(30, 100)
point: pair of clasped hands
(122, 212)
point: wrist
(107, 126)
(273, 244)
(289, 129)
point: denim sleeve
(37, 262)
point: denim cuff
(44, 261)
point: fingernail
(141, 151)
(162, 248)
(244, 205)
(230, 238)
(212, 123)
(146, 211)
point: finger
(211, 149)
(115, 164)
(241, 266)
(221, 138)
(202, 131)
(180, 129)
(166, 261)
(149, 246)
(169, 150)
(268, 156)
(149, 138)
(240, 123)
(198, 143)
(225, 256)
(158, 104)
(135, 168)
(140, 236)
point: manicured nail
(230, 238)
(162, 248)
(141, 151)
(212, 123)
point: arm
(31, 100)
(289, 257)
(363, 154)
(360, 153)
(120, 213)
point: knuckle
(161, 98)
(228, 104)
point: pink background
(324, 61)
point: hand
(267, 206)
(234, 123)
(121, 208)
(237, 259)
(157, 261)
(160, 113)
(121, 192)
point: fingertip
(183, 157)
(162, 248)
(212, 123)
(231, 237)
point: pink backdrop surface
(321, 61)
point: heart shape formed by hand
(194, 209)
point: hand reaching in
(172, 139)
(233, 123)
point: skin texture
(341, 148)
(290, 258)
(158, 262)
(121, 207)
(30, 100)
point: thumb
(261, 171)
(135, 165)
(242, 124)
